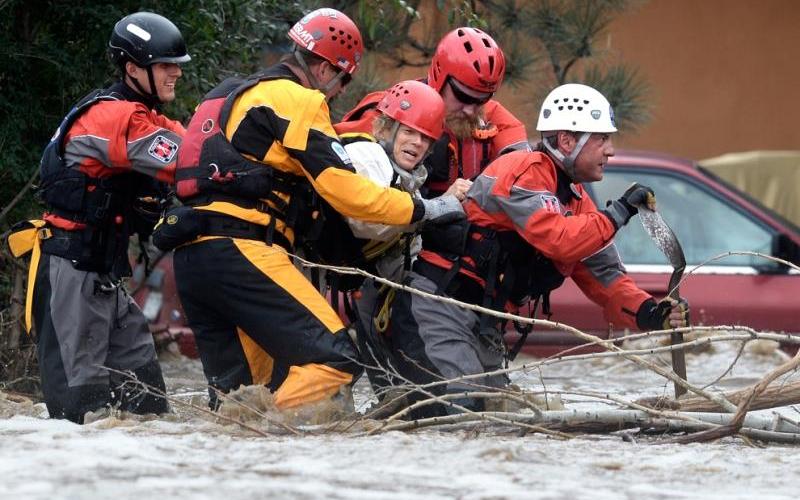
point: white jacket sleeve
(370, 160)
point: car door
(732, 290)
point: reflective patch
(550, 204)
(546, 113)
(163, 149)
(138, 31)
(341, 153)
(596, 113)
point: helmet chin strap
(567, 162)
(312, 80)
(153, 95)
(388, 146)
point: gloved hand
(663, 315)
(621, 210)
(443, 210)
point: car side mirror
(783, 247)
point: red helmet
(470, 56)
(415, 105)
(331, 35)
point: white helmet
(577, 108)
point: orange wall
(724, 74)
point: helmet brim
(176, 60)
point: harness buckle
(217, 176)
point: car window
(704, 224)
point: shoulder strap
(79, 109)
(276, 72)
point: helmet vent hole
(585, 101)
(477, 66)
(491, 64)
(580, 108)
(468, 46)
(486, 43)
(334, 38)
(460, 32)
(556, 101)
(331, 28)
(561, 108)
(575, 100)
(569, 107)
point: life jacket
(490, 268)
(93, 211)
(211, 169)
(453, 158)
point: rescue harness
(491, 268)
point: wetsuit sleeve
(125, 135)
(168, 124)
(511, 134)
(152, 147)
(282, 121)
(517, 190)
(603, 280)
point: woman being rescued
(411, 119)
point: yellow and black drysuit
(259, 154)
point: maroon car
(709, 218)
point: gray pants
(433, 338)
(85, 324)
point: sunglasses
(465, 98)
(346, 79)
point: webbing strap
(36, 254)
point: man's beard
(462, 125)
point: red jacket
(527, 193)
(113, 137)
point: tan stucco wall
(724, 74)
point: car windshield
(705, 224)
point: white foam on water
(184, 456)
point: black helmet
(146, 38)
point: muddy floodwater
(187, 456)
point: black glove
(654, 315)
(621, 210)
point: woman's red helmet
(415, 105)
